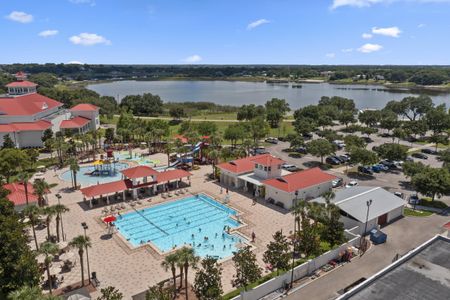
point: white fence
(300, 271)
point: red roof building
(244, 165)
(85, 107)
(170, 175)
(139, 172)
(300, 180)
(25, 126)
(268, 161)
(74, 123)
(24, 83)
(17, 193)
(27, 105)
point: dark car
(271, 140)
(429, 151)
(301, 150)
(365, 170)
(391, 165)
(337, 182)
(332, 161)
(368, 140)
(344, 158)
(419, 155)
(307, 135)
(339, 159)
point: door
(382, 220)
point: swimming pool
(87, 180)
(125, 155)
(197, 220)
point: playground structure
(188, 158)
(103, 167)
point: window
(270, 169)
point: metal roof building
(423, 273)
(384, 208)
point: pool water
(87, 180)
(182, 222)
(125, 155)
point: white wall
(288, 198)
(350, 223)
(394, 214)
(92, 115)
(275, 171)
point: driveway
(403, 235)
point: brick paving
(133, 271)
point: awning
(252, 178)
(106, 188)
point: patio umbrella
(67, 255)
(78, 297)
(109, 219)
(55, 269)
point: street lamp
(368, 203)
(60, 216)
(294, 238)
(85, 227)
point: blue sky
(226, 31)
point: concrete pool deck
(133, 271)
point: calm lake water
(238, 93)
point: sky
(331, 32)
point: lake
(238, 92)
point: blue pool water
(87, 180)
(125, 155)
(183, 222)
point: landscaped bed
(416, 213)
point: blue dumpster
(377, 237)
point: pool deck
(134, 270)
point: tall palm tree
(180, 265)
(49, 250)
(214, 156)
(26, 293)
(41, 188)
(170, 262)
(33, 212)
(59, 210)
(49, 212)
(24, 177)
(81, 242)
(168, 149)
(74, 167)
(61, 148)
(187, 256)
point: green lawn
(416, 213)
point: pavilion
(135, 179)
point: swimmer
(199, 230)
(177, 225)
(192, 236)
(216, 234)
(199, 245)
(229, 246)
(212, 246)
(223, 235)
(224, 247)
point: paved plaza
(134, 270)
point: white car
(290, 168)
(351, 183)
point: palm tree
(81, 242)
(170, 262)
(214, 156)
(187, 255)
(180, 265)
(24, 177)
(33, 212)
(49, 250)
(74, 167)
(168, 148)
(49, 211)
(26, 293)
(41, 188)
(59, 210)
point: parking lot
(392, 180)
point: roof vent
(281, 179)
(232, 163)
(44, 106)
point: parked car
(345, 158)
(351, 183)
(419, 155)
(290, 168)
(385, 135)
(336, 157)
(389, 164)
(409, 158)
(429, 151)
(332, 161)
(337, 182)
(365, 170)
(307, 135)
(301, 150)
(413, 199)
(368, 140)
(259, 150)
(399, 194)
(271, 140)
(378, 168)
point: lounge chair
(169, 194)
(139, 202)
(118, 207)
(122, 206)
(112, 209)
(176, 193)
(163, 195)
(149, 200)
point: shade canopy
(109, 219)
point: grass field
(416, 213)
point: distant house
(385, 207)
(25, 115)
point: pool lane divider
(154, 225)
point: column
(134, 194)
(90, 202)
(123, 196)
(107, 199)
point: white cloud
(257, 23)
(330, 55)
(421, 25)
(387, 31)
(89, 39)
(74, 62)
(347, 50)
(20, 16)
(47, 33)
(367, 36)
(368, 48)
(193, 59)
(367, 3)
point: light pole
(294, 242)
(85, 227)
(368, 203)
(58, 196)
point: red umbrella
(109, 219)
